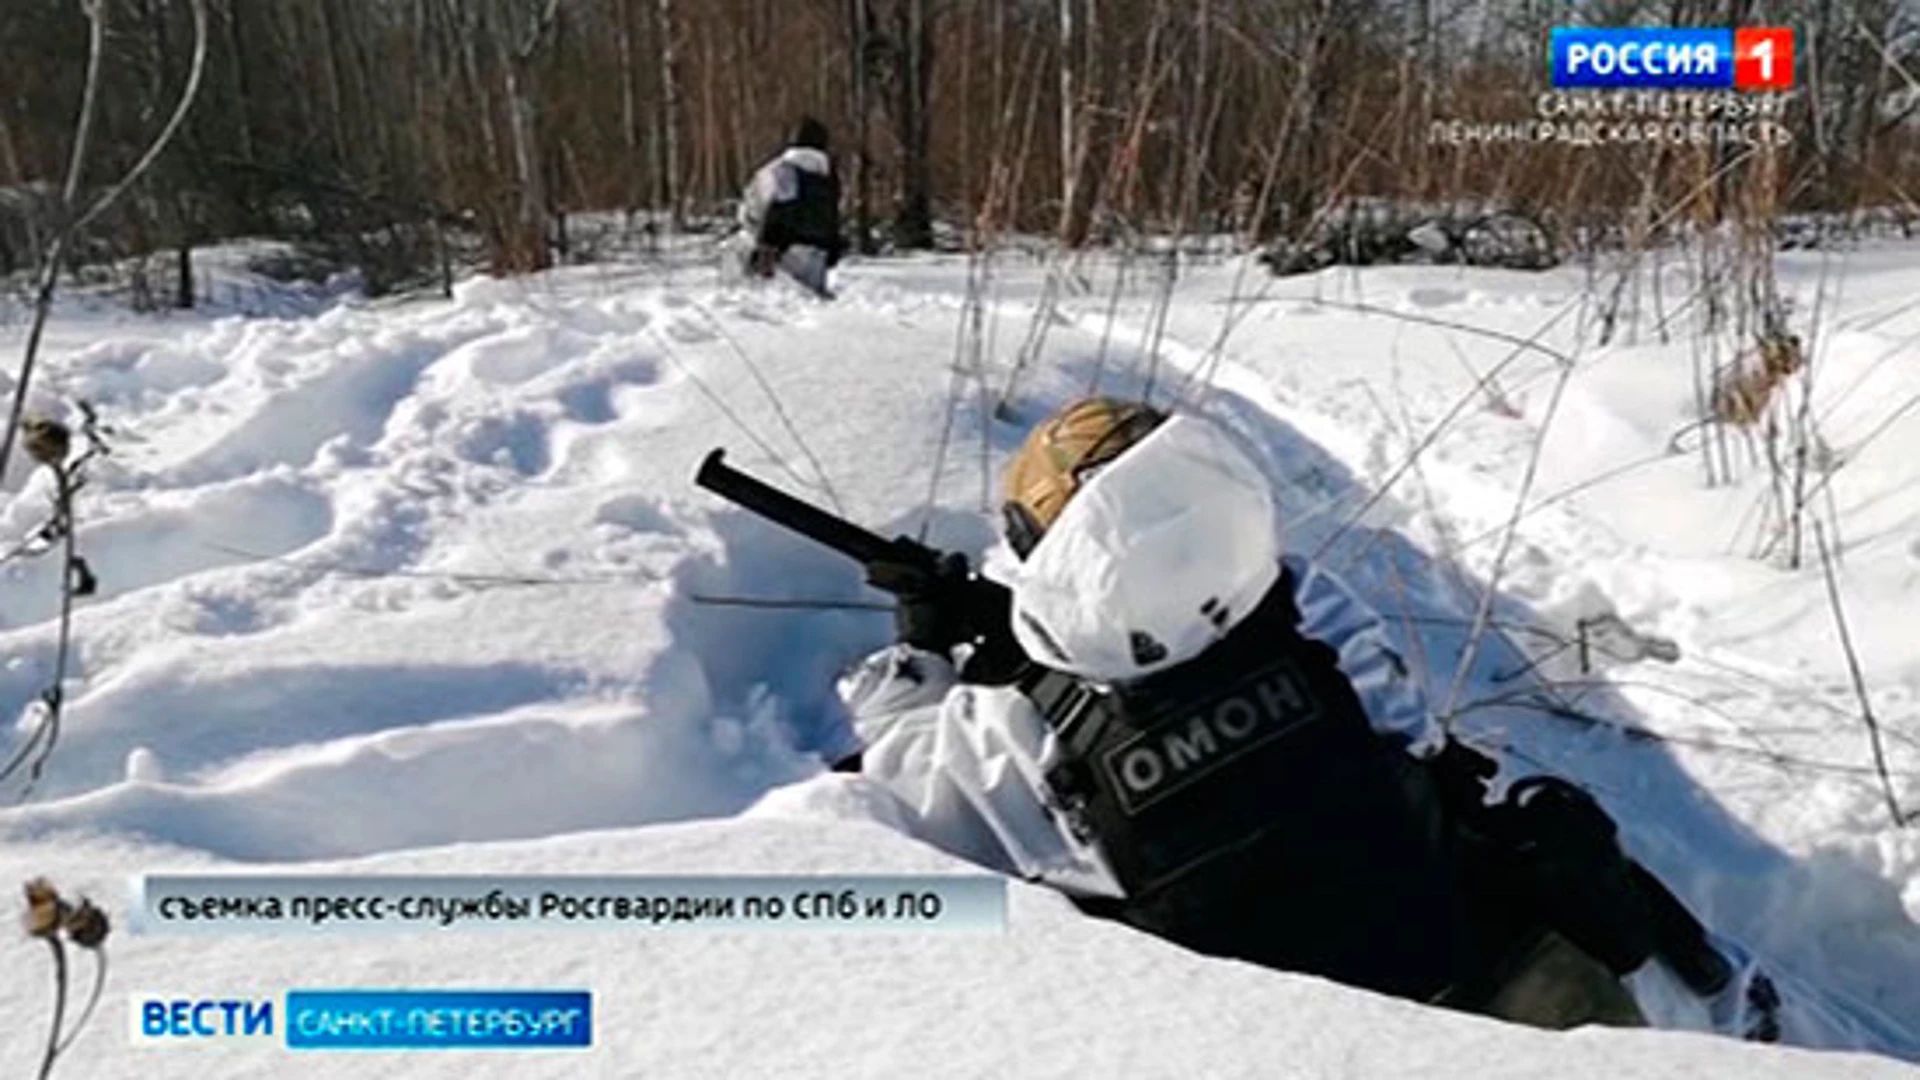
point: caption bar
(181, 904)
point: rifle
(908, 569)
(843, 536)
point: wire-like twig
(778, 406)
(780, 603)
(1528, 699)
(1859, 681)
(59, 1006)
(1487, 596)
(706, 391)
(43, 301)
(76, 580)
(57, 250)
(333, 566)
(93, 1000)
(1521, 347)
(70, 566)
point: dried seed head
(47, 441)
(87, 925)
(45, 909)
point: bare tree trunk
(466, 33)
(709, 128)
(531, 204)
(183, 296)
(1873, 92)
(336, 82)
(858, 18)
(1067, 165)
(913, 223)
(667, 142)
(9, 154)
(629, 101)
(530, 250)
(237, 71)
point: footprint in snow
(1436, 297)
(636, 512)
(588, 403)
(689, 332)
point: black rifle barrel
(802, 517)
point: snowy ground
(425, 586)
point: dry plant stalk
(1859, 680)
(1743, 390)
(74, 216)
(52, 919)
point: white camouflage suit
(776, 182)
(1183, 514)
(966, 761)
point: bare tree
(667, 141)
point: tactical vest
(811, 217)
(1248, 809)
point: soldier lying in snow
(1211, 741)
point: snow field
(427, 586)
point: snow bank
(1055, 995)
(379, 580)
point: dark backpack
(811, 217)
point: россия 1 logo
(1750, 58)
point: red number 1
(1763, 58)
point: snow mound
(1055, 995)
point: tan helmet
(1060, 454)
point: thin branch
(537, 32)
(1859, 681)
(54, 697)
(1521, 346)
(777, 603)
(57, 250)
(59, 1006)
(667, 350)
(93, 999)
(1487, 596)
(43, 302)
(330, 566)
(89, 97)
(1528, 699)
(773, 400)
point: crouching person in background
(790, 212)
(1187, 730)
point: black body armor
(1249, 810)
(811, 217)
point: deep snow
(418, 585)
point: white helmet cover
(1156, 557)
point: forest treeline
(391, 121)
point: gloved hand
(1564, 859)
(1460, 773)
(932, 610)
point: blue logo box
(1625, 57)
(438, 1019)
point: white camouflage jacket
(967, 761)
